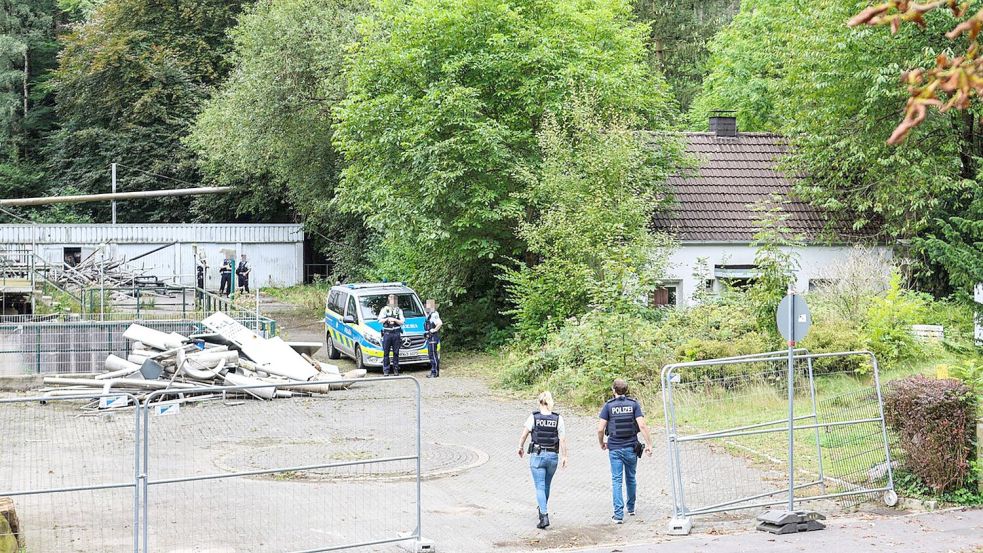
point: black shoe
(544, 521)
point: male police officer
(431, 327)
(225, 272)
(391, 317)
(242, 274)
(621, 419)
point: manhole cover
(363, 459)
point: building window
(73, 256)
(663, 297)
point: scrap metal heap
(225, 354)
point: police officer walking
(225, 274)
(547, 450)
(621, 419)
(431, 327)
(391, 317)
(242, 274)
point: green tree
(592, 200)
(775, 258)
(28, 49)
(269, 128)
(795, 68)
(445, 98)
(130, 81)
(680, 33)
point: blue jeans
(543, 467)
(624, 461)
(432, 343)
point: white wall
(814, 262)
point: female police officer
(547, 449)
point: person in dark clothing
(391, 317)
(621, 420)
(242, 275)
(431, 327)
(201, 268)
(225, 274)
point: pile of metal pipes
(225, 354)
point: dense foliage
(586, 226)
(444, 102)
(129, 84)
(268, 130)
(835, 90)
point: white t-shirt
(560, 429)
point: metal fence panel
(71, 471)
(739, 405)
(58, 347)
(301, 474)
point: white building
(713, 216)
(275, 251)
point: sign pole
(793, 320)
(791, 402)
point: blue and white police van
(352, 329)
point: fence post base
(417, 545)
(680, 526)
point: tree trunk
(969, 150)
(27, 76)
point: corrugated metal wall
(150, 234)
(275, 252)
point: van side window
(352, 309)
(332, 300)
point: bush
(887, 329)
(833, 336)
(579, 362)
(936, 421)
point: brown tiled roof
(713, 201)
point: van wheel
(333, 352)
(359, 360)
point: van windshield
(371, 305)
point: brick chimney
(723, 123)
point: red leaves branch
(959, 78)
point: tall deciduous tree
(680, 33)
(130, 81)
(269, 128)
(445, 98)
(794, 67)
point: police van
(352, 328)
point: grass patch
(850, 453)
(308, 297)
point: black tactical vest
(546, 430)
(428, 324)
(621, 419)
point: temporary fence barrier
(740, 405)
(72, 474)
(58, 346)
(218, 470)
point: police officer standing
(431, 327)
(621, 419)
(391, 317)
(242, 275)
(201, 268)
(225, 274)
(547, 450)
